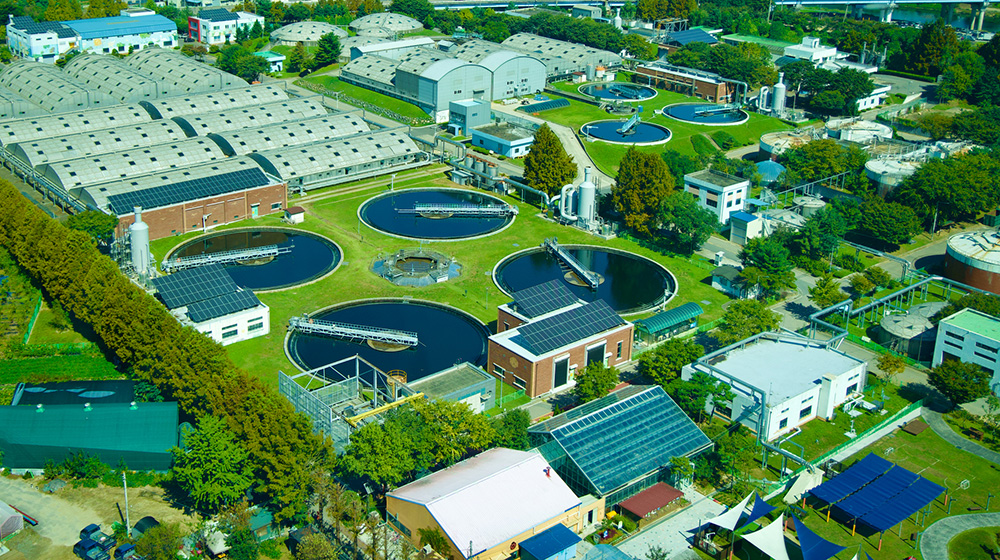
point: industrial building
(620, 445)
(781, 381)
(463, 116)
(217, 26)
(974, 259)
(970, 336)
(697, 83)
(464, 383)
(306, 32)
(527, 497)
(542, 355)
(504, 138)
(207, 299)
(291, 133)
(726, 278)
(720, 192)
(113, 76)
(134, 30)
(14, 106)
(390, 49)
(666, 324)
(50, 88)
(392, 23)
(515, 74)
(181, 74)
(561, 58)
(248, 116)
(240, 96)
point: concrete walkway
(934, 542)
(941, 428)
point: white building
(875, 98)
(217, 25)
(275, 61)
(48, 40)
(970, 336)
(810, 49)
(720, 192)
(506, 139)
(782, 381)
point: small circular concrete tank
(974, 259)
(774, 143)
(588, 198)
(809, 204)
(139, 235)
(889, 173)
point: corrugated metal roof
(692, 36)
(550, 542)
(488, 484)
(121, 25)
(669, 319)
(651, 499)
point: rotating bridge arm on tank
(552, 246)
(488, 210)
(352, 332)
(630, 124)
(729, 108)
(225, 257)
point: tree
(688, 223)
(161, 542)
(436, 540)
(212, 467)
(985, 303)
(315, 547)
(512, 429)
(692, 395)
(961, 382)
(97, 224)
(861, 284)
(768, 265)
(380, 453)
(821, 234)
(298, 11)
(643, 183)
(890, 365)
(889, 222)
(743, 319)
(416, 9)
(663, 364)
(243, 544)
(826, 292)
(878, 276)
(327, 50)
(453, 431)
(829, 103)
(595, 381)
(935, 46)
(298, 59)
(239, 61)
(548, 167)
(656, 552)
(63, 10)
(682, 468)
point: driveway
(58, 520)
(675, 534)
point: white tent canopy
(731, 518)
(10, 521)
(771, 539)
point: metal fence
(31, 323)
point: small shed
(262, 524)
(651, 500)
(295, 214)
(275, 61)
(143, 525)
(668, 323)
(10, 521)
(555, 543)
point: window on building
(518, 382)
(229, 334)
(619, 353)
(255, 327)
(275, 205)
(807, 411)
(852, 388)
(499, 371)
(985, 357)
(783, 424)
(985, 347)
(954, 335)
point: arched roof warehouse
(50, 88)
(180, 74)
(250, 116)
(13, 106)
(61, 124)
(326, 163)
(306, 32)
(294, 133)
(217, 101)
(80, 172)
(396, 23)
(107, 140)
(114, 77)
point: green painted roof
(669, 319)
(759, 40)
(976, 322)
(269, 54)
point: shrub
(816, 267)
(270, 549)
(724, 140)
(849, 262)
(702, 145)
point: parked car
(127, 552)
(88, 549)
(93, 532)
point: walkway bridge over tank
(569, 261)
(464, 210)
(354, 333)
(225, 257)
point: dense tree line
(186, 365)
(746, 62)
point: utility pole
(128, 523)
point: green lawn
(46, 330)
(56, 368)
(976, 544)
(335, 216)
(606, 156)
(391, 103)
(287, 49)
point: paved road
(941, 428)
(934, 542)
(674, 534)
(58, 520)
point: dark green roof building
(141, 434)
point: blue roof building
(555, 543)
(134, 30)
(113, 27)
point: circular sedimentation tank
(629, 283)
(446, 337)
(616, 91)
(974, 259)
(857, 130)
(706, 114)
(382, 213)
(642, 134)
(809, 205)
(889, 173)
(311, 257)
(775, 143)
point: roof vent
(133, 406)
(39, 408)
(87, 407)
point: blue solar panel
(620, 439)
(568, 327)
(184, 191)
(850, 481)
(876, 494)
(543, 298)
(194, 284)
(222, 305)
(814, 547)
(910, 501)
(692, 36)
(544, 106)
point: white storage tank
(808, 205)
(588, 198)
(139, 234)
(780, 91)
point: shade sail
(771, 539)
(877, 493)
(853, 479)
(814, 547)
(760, 509)
(731, 518)
(905, 504)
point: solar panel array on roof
(568, 327)
(543, 298)
(32, 27)
(194, 284)
(217, 14)
(692, 36)
(221, 306)
(194, 189)
(544, 105)
(622, 437)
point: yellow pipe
(353, 420)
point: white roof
(497, 476)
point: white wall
(821, 401)
(968, 347)
(728, 199)
(239, 323)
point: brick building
(546, 335)
(703, 85)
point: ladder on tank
(477, 210)
(352, 332)
(225, 257)
(552, 246)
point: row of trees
(746, 62)
(830, 93)
(185, 365)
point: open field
(977, 544)
(333, 213)
(56, 368)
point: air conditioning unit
(427, 549)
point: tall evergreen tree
(643, 183)
(327, 50)
(213, 467)
(548, 167)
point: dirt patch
(110, 504)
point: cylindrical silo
(778, 106)
(974, 259)
(139, 233)
(588, 198)
(809, 204)
(590, 72)
(763, 100)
